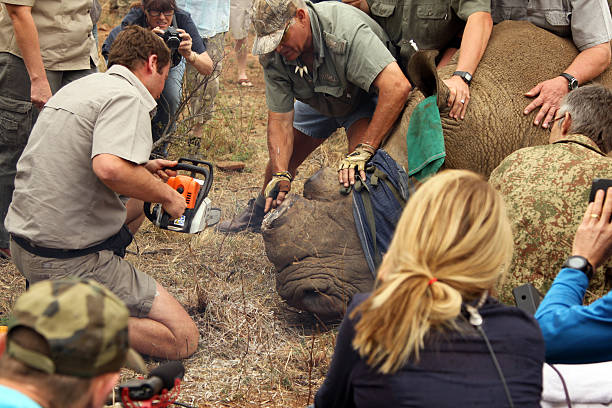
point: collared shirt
(59, 202)
(587, 22)
(546, 190)
(210, 16)
(64, 33)
(350, 50)
(428, 25)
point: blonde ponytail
(451, 244)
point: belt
(117, 242)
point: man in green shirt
(340, 67)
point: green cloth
(424, 140)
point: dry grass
(254, 350)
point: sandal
(245, 82)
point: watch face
(575, 262)
(573, 84)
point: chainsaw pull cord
(476, 321)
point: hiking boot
(249, 219)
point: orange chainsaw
(199, 213)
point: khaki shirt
(59, 202)
(546, 190)
(425, 25)
(64, 33)
(587, 22)
(338, 83)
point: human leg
(240, 21)
(241, 57)
(168, 102)
(59, 79)
(202, 101)
(167, 332)
(357, 122)
(162, 328)
(135, 215)
(17, 116)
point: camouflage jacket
(546, 190)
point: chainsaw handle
(147, 211)
(206, 171)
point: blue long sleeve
(575, 333)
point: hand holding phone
(599, 184)
(593, 240)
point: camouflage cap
(270, 17)
(83, 323)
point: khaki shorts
(135, 288)
(240, 18)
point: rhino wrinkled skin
(312, 240)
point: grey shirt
(59, 202)
(350, 51)
(587, 22)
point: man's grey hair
(590, 108)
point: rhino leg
(316, 251)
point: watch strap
(572, 82)
(466, 76)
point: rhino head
(313, 243)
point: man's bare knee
(167, 332)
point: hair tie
(431, 281)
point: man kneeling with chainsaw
(89, 149)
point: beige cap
(270, 17)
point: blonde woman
(430, 334)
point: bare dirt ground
(254, 350)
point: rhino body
(312, 240)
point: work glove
(281, 182)
(358, 158)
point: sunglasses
(284, 37)
(552, 122)
(157, 13)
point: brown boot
(249, 219)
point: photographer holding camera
(181, 36)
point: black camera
(172, 38)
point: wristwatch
(572, 82)
(466, 76)
(580, 263)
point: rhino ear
(422, 72)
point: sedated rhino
(312, 240)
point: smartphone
(599, 184)
(527, 298)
